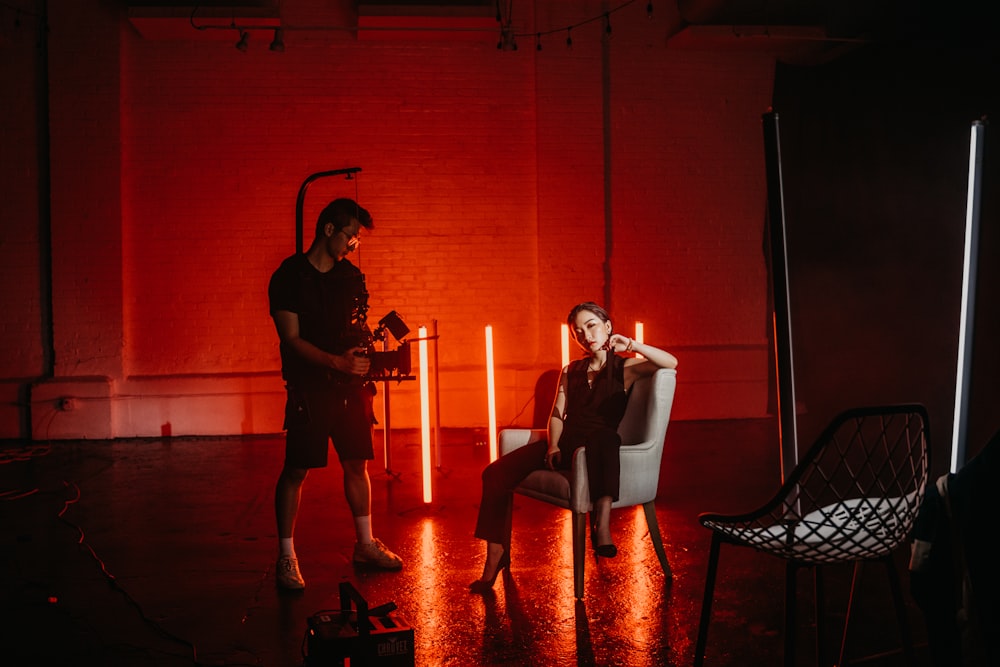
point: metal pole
(787, 434)
(300, 200)
(387, 426)
(437, 400)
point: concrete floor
(161, 552)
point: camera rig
(385, 364)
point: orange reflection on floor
(641, 609)
(428, 575)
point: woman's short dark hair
(592, 307)
(340, 212)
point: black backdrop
(875, 149)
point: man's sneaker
(287, 573)
(376, 554)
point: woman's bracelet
(629, 347)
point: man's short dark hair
(340, 212)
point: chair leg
(855, 577)
(791, 571)
(579, 552)
(904, 624)
(706, 601)
(654, 534)
(906, 638)
(819, 599)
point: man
(315, 299)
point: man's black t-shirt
(324, 303)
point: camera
(390, 364)
(385, 364)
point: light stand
(397, 370)
(402, 361)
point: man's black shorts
(315, 417)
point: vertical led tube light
(425, 414)
(565, 345)
(960, 426)
(491, 394)
(639, 333)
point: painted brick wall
(447, 160)
(688, 198)
(571, 184)
(492, 175)
(21, 291)
(86, 195)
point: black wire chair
(853, 498)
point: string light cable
(603, 16)
(277, 43)
(504, 17)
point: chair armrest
(640, 474)
(631, 449)
(515, 438)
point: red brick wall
(84, 90)
(21, 290)
(493, 177)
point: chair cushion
(642, 430)
(857, 528)
(551, 487)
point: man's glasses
(352, 240)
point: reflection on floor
(161, 552)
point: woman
(589, 404)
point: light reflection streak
(562, 565)
(428, 583)
(640, 599)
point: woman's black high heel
(606, 550)
(484, 586)
(601, 550)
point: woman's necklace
(592, 373)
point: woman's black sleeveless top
(600, 406)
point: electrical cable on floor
(27, 454)
(21, 454)
(82, 541)
(128, 598)
(17, 495)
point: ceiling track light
(278, 43)
(244, 42)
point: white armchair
(643, 429)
